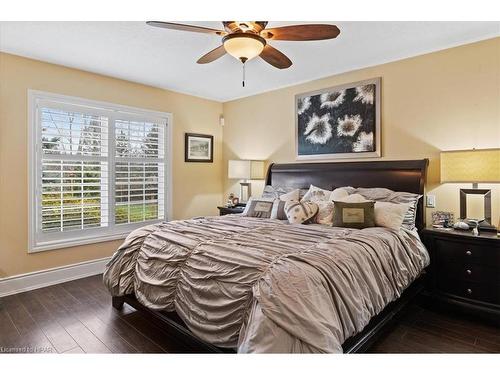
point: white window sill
(86, 240)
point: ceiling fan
(246, 40)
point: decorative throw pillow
(354, 215)
(259, 207)
(325, 213)
(387, 195)
(278, 211)
(390, 215)
(300, 212)
(315, 194)
(290, 196)
(339, 194)
(277, 191)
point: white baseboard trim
(39, 279)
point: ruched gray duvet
(262, 285)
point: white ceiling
(167, 59)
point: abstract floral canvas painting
(339, 122)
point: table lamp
(475, 166)
(245, 170)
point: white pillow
(353, 198)
(390, 215)
(338, 194)
(290, 196)
(315, 194)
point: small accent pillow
(278, 211)
(259, 207)
(315, 194)
(325, 213)
(278, 191)
(354, 215)
(390, 215)
(300, 212)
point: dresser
(465, 271)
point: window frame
(113, 112)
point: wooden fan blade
(212, 55)
(183, 27)
(276, 58)
(302, 32)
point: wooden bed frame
(403, 175)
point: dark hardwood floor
(77, 317)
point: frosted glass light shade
(239, 169)
(243, 47)
(470, 166)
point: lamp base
(248, 187)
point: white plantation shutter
(98, 170)
(139, 171)
(74, 170)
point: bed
(260, 285)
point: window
(97, 170)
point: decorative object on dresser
(476, 166)
(245, 170)
(198, 148)
(465, 271)
(238, 209)
(339, 122)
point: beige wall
(197, 187)
(440, 101)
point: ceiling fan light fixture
(244, 46)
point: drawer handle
(469, 291)
(469, 272)
(468, 252)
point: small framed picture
(198, 148)
(442, 219)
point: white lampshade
(239, 169)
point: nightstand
(465, 271)
(238, 209)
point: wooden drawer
(469, 289)
(468, 271)
(467, 253)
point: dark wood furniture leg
(117, 302)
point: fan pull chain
(243, 82)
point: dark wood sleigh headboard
(400, 175)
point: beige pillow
(290, 196)
(300, 212)
(354, 198)
(325, 213)
(315, 194)
(390, 215)
(339, 194)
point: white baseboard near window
(39, 279)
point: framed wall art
(198, 148)
(339, 122)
